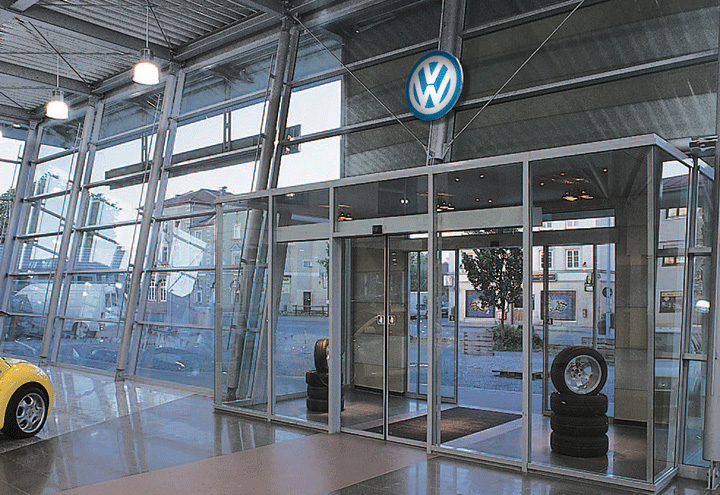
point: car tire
(321, 355)
(587, 406)
(318, 393)
(579, 370)
(321, 405)
(593, 426)
(579, 446)
(315, 379)
(26, 412)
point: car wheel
(321, 355)
(315, 379)
(584, 406)
(319, 393)
(579, 446)
(578, 426)
(579, 370)
(26, 412)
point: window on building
(673, 260)
(573, 258)
(676, 212)
(238, 230)
(307, 263)
(198, 234)
(152, 289)
(162, 291)
(549, 259)
(198, 293)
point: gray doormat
(455, 423)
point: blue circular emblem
(434, 84)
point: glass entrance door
(385, 337)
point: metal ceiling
(89, 42)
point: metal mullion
(270, 319)
(119, 138)
(39, 197)
(433, 373)
(224, 106)
(336, 292)
(117, 180)
(23, 237)
(95, 228)
(651, 303)
(206, 268)
(527, 317)
(60, 154)
(456, 327)
(173, 325)
(179, 216)
(219, 292)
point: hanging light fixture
(57, 108)
(145, 71)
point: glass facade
(226, 259)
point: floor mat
(456, 422)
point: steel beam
(44, 78)
(22, 5)
(15, 114)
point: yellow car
(26, 395)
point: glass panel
(305, 102)
(695, 414)
(104, 249)
(37, 255)
(22, 337)
(54, 175)
(246, 121)
(182, 186)
(109, 162)
(362, 357)
(315, 161)
(131, 113)
(300, 208)
(30, 294)
(703, 222)
(397, 197)
(199, 134)
(630, 107)
(185, 243)
(672, 207)
(177, 354)
(115, 203)
(244, 332)
(225, 80)
(605, 36)
(302, 322)
(185, 298)
(59, 135)
(46, 215)
(92, 320)
(590, 280)
(700, 323)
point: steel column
(434, 330)
(145, 224)
(256, 217)
(335, 321)
(82, 214)
(451, 24)
(68, 230)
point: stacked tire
(317, 380)
(579, 421)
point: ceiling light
(57, 108)
(586, 195)
(457, 179)
(145, 71)
(569, 197)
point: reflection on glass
(116, 203)
(703, 221)
(53, 176)
(388, 198)
(244, 328)
(22, 336)
(181, 297)
(38, 254)
(303, 208)
(672, 208)
(106, 248)
(46, 215)
(199, 134)
(695, 414)
(700, 313)
(187, 242)
(177, 354)
(109, 161)
(302, 321)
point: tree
(5, 206)
(496, 274)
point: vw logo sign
(434, 85)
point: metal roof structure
(94, 44)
